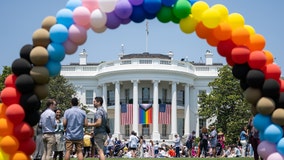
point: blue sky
(19, 19)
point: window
(180, 97)
(164, 95)
(89, 96)
(126, 130)
(145, 95)
(164, 130)
(110, 97)
(127, 94)
(145, 130)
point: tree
(226, 101)
(60, 89)
(6, 72)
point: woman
(203, 146)
(59, 137)
(141, 149)
(243, 140)
(133, 143)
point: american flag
(165, 114)
(126, 114)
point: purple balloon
(112, 20)
(123, 9)
(136, 2)
(125, 21)
(266, 148)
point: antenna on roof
(122, 48)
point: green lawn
(173, 158)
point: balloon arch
(236, 41)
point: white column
(135, 106)
(117, 110)
(193, 110)
(104, 96)
(186, 110)
(155, 134)
(174, 110)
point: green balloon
(165, 14)
(175, 19)
(182, 9)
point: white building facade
(146, 83)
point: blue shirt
(75, 118)
(47, 121)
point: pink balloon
(275, 156)
(90, 4)
(266, 148)
(70, 47)
(77, 34)
(136, 2)
(81, 16)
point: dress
(59, 136)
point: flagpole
(147, 33)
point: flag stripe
(145, 117)
(127, 117)
(165, 117)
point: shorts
(100, 141)
(78, 145)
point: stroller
(118, 150)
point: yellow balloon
(188, 24)
(3, 155)
(236, 20)
(250, 29)
(224, 12)
(211, 18)
(198, 8)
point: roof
(145, 55)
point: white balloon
(100, 29)
(107, 5)
(98, 19)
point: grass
(247, 158)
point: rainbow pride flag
(145, 114)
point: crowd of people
(64, 136)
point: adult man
(74, 120)
(177, 145)
(100, 122)
(48, 123)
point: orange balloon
(240, 36)
(19, 155)
(256, 42)
(6, 127)
(269, 57)
(3, 108)
(9, 144)
(211, 39)
(201, 31)
(223, 31)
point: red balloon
(23, 131)
(272, 71)
(28, 146)
(230, 61)
(240, 54)
(10, 80)
(257, 59)
(10, 95)
(281, 85)
(15, 113)
(224, 48)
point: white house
(152, 94)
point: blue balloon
(56, 52)
(169, 3)
(152, 6)
(192, 1)
(65, 17)
(280, 146)
(53, 67)
(138, 14)
(58, 33)
(273, 133)
(260, 122)
(72, 4)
